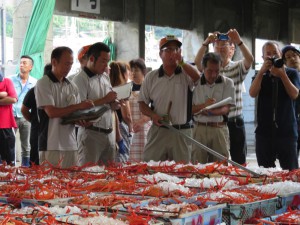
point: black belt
(99, 129)
(181, 126)
(212, 124)
(235, 118)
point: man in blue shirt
(276, 88)
(23, 82)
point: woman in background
(141, 123)
(119, 75)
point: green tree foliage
(58, 25)
(161, 32)
(62, 24)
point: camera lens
(278, 63)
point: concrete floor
(250, 137)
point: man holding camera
(224, 45)
(277, 88)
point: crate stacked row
(151, 193)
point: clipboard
(86, 114)
(216, 105)
(123, 91)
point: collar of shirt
(161, 71)
(203, 80)
(53, 78)
(89, 72)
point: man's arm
(197, 108)
(56, 112)
(290, 88)
(235, 38)
(256, 83)
(201, 52)
(146, 110)
(3, 94)
(25, 112)
(191, 71)
(8, 100)
(9, 95)
(107, 99)
(223, 110)
(248, 57)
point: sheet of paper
(123, 91)
(216, 105)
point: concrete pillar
(126, 37)
(21, 17)
(49, 44)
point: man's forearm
(7, 101)
(248, 57)
(146, 110)
(191, 71)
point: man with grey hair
(224, 45)
(211, 127)
(276, 89)
(57, 97)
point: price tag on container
(89, 6)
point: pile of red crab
(149, 193)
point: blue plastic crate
(291, 200)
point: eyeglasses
(170, 49)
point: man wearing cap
(276, 89)
(224, 45)
(169, 92)
(291, 58)
(8, 97)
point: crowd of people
(202, 100)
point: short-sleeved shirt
(94, 86)
(221, 89)
(286, 124)
(236, 71)
(159, 90)
(50, 92)
(7, 119)
(21, 92)
(30, 102)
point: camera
(277, 62)
(222, 37)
